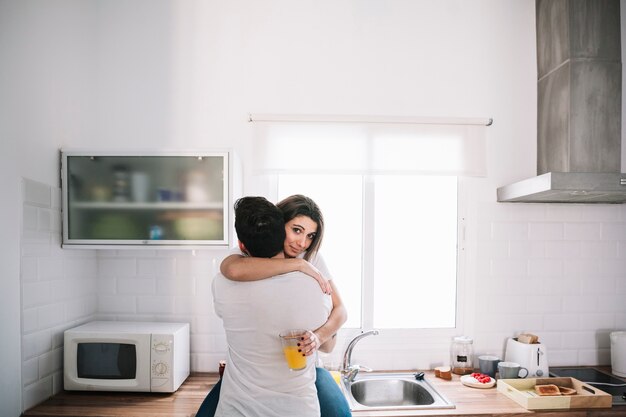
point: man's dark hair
(260, 226)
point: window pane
(340, 199)
(415, 251)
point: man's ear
(242, 247)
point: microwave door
(111, 363)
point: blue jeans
(332, 401)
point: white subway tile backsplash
(544, 304)
(117, 267)
(581, 268)
(545, 231)
(611, 303)
(37, 392)
(80, 268)
(36, 193)
(553, 340)
(562, 286)
(35, 293)
(185, 305)
(545, 268)
(44, 220)
(563, 249)
(29, 320)
(33, 249)
(594, 357)
(107, 286)
(509, 268)
(595, 285)
(36, 237)
(79, 308)
(509, 231)
(194, 267)
(136, 286)
(579, 304)
(219, 342)
(177, 286)
(52, 295)
(606, 212)
(614, 231)
(599, 250)
(56, 225)
(51, 362)
(564, 212)
(561, 322)
(30, 218)
(583, 231)
(563, 357)
(613, 267)
(56, 200)
(155, 305)
(50, 268)
(202, 343)
(582, 340)
(525, 250)
(51, 315)
(30, 371)
(29, 269)
(156, 267)
(117, 304)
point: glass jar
(461, 355)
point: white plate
(470, 381)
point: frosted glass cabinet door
(160, 199)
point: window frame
(429, 342)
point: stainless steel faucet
(348, 370)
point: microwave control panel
(161, 356)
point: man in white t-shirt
(257, 381)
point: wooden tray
(523, 392)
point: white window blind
(369, 145)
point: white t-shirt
(257, 381)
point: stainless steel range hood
(567, 187)
(579, 103)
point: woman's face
(301, 231)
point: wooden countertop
(186, 401)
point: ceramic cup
(488, 365)
(511, 370)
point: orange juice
(295, 359)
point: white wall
(184, 74)
(47, 81)
(10, 385)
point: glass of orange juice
(290, 339)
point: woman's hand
(309, 343)
(313, 272)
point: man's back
(257, 381)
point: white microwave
(126, 356)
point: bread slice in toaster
(548, 389)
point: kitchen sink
(381, 391)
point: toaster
(533, 357)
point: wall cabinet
(145, 199)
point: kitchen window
(389, 189)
